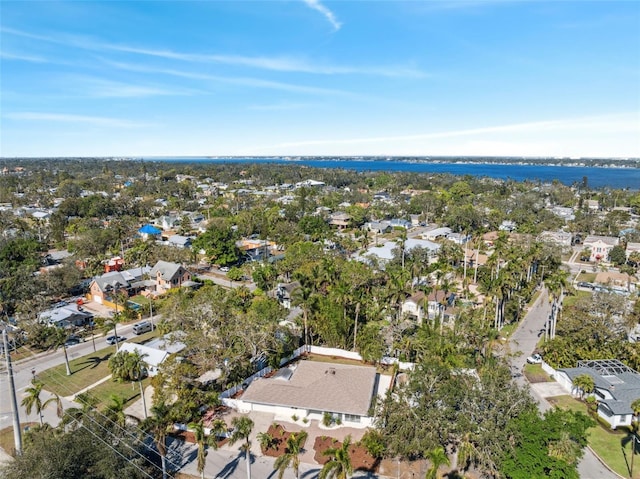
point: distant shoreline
(470, 160)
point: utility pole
(17, 433)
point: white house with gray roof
(616, 387)
(309, 389)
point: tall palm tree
(437, 457)
(202, 441)
(303, 297)
(137, 368)
(158, 425)
(635, 407)
(33, 401)
(60, 341)
(291, 456)
(339, 465)
(242, 427)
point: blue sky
(314, 77)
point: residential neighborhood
(216, 300)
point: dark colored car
(73, 340)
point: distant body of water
(598, 177)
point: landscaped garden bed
(278, 444)
(360, 458)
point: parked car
(584, 284)
(534, 359)
(112, 339)
(73, 340)
(224, 269)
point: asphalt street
(23, 374)
(521, 345)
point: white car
(534, 359)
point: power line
(108, 419)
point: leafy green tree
(291, 456)
(339, 464)
(242, 427)
(219, 244)
(314, 226)
(548, 446)
(617, 255)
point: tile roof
(338, 388)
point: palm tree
(115, 411)
(339, 465)
(438, 458)
(585, 384)
(33, 400)
(203, 440)
(74, 415)
(60, 340)
(303, 297)
(137, 368)
(242, 427)
(291, 456)
(158, 426)
(635, 407)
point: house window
(352, 418)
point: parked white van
(142, 327)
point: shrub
(327, 419)
(295, 418)
(373, 442)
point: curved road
(522, 344)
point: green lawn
(6, 437)
(605, 442)
(535, 374)
(85, 370)
(586, 277)
(129, 391)
(571, 300)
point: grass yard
(571, 300)
(129, 391)
(535, 374)
(85, 370)
(586, 277)
(605, 442)
(6, 437)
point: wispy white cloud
(272, 63)
(80, 119)
(622, 122)
(328, 14)
(101, 88)
(20, 57)
(244, 81)
(281, 106)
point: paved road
(40, 362)
(521, 345)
